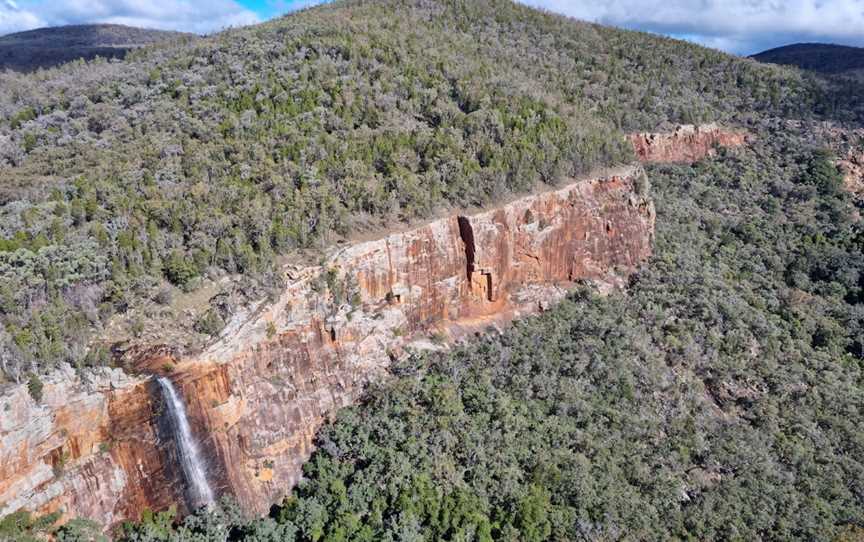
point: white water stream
(190, 456)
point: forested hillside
(123, 183)
(719, 398)
(819, 57)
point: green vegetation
(34, 387)
(719, 398)
(47, 47)
(22, 527)
(208, 156)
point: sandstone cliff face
(687, 143)
(335, 327)
(89, 448)
(256, 397)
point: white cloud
(12, 18)
(199, 16)
(742, 26)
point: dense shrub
(718, 398)
(224, 152)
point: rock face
(256, 397)
(90, 447)
(847, 144)
(852, 168)
(687, 143)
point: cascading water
(190, 457)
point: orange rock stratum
(687, 143)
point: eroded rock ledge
(848, 145)
(96, 446)
(688, 143)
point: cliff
(847, 144)
(97, 446)
(687, 143)
(90, 447)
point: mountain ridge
(825, 58)
(51, 46)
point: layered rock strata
(687, 143)
(96, 447)
(89, 447)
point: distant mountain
(818, 57)
(46, 47)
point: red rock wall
(687, 143)
(258, 395)
(262, 399)
(89, 448)
(848, 145)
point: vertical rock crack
(466, 232)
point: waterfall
(190, 457)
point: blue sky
(267, 9)
(737, 26)
(264, 8)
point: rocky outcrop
(256, 397)
(688, 143)
(852, 168)
(847, 144)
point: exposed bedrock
(90, 447)
(97, 446)
(852, 168)
(262, 391)
(688, 143)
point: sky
(736, 26)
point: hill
(818, 57)
(218, 155)
(48, 47)
(717, 398)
